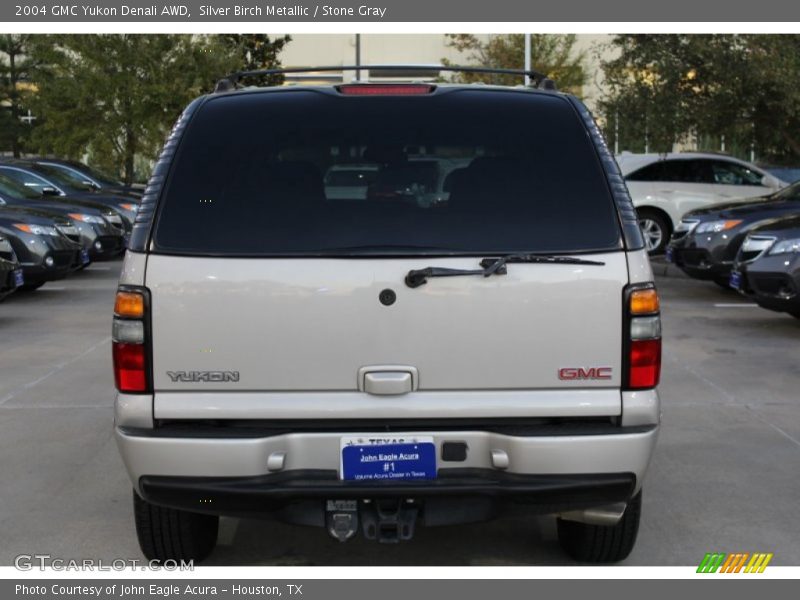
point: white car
(664, 187)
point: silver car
(379, 365)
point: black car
(100, 239)
(44, 252)
(767, 266)
(54, 182)
(94, 177)
(705, 243)
(11, 276)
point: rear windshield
(304, 172)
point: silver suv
(376, 363)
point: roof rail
(538, 80)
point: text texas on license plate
(387, 457)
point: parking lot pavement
(724, 477)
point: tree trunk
(14, 98)
(130, 154)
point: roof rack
(538, 80)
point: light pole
(527, 58)
(358, 56)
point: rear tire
(29, 287)
(171, 534)
(655, 230)
(602, 544)
(795, 314)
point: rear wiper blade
(489, 264)
(493, 266)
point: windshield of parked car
(64, 179)
(791, 192)
(17, 191)
(461, 171)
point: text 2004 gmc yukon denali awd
(475, 329)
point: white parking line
(736, 305)
(49, 288)
(52, 371)
(93, 268)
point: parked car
(377, 361)
(767, 267)
(44, 252)
(664, 187)
(100, 239)
(706, 241)
(53, 182)
(91, 175)
(11, 277)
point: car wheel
(171, 534)
(598, 543)
(795, 314)
(29, 287)
(655, 231)
(724, 284)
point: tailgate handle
(387, 382)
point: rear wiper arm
(493, 266)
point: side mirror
(50, 191)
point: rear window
(305, 172)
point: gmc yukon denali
(378, 362)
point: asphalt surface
(724, 477)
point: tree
(256, 51)
(553, 55)
(115, 96)
(15, 75)
(671, 87)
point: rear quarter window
(454, 172)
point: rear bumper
(561, 472)
(245, 496)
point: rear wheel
(598, 543)
(724, 284)
(795, 314)
(655, 229)
(29, 287)
(171, 534)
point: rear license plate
(19, 279)
(736, 280)
(383, 458)
(668, 256)
(84, 257)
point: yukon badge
(575, 373)
(203, 376)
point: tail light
(642, 343)
(130, 343)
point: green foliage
(117, 95)
(743, 87)
(113, 98)
(15, 73)
(551, 54)
(256, 51)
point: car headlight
(717, 226)
(786, 246)
(686, 225)
(87, 218)
(37, 229)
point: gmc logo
(573, 373)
